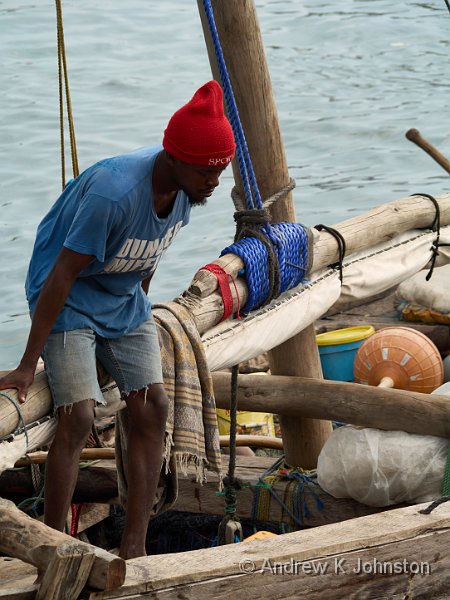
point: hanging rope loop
(341, 247)
(436, 227)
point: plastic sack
(380, 468)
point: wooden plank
(91, 514)
(67, 573)
(193, 497)
(25, 592)
(400, 553)
(196, 498)
(17, 579)
(32, 541)
(96, 483)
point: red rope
(76, 513)
(224, 285)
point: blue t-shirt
(108, 212)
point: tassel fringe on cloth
(192, 437)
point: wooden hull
(396, 554)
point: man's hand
(20, 379)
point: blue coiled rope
(293, 257)
(289, 241)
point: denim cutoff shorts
(133, 361)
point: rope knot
(250, 221)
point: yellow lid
(259, 535)
(344, 336)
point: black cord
(341, 246)
(436, 227)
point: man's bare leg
(61, 470)
(148, 415)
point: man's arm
(50, 303)
(145, 283)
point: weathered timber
(303, 438)
(240, 37)
(197, 498)
(369, 406)
(33, 542)
(413, 135)
(37, 405)
(324, 563)
(94, 484)
(255, 441)
(67, 572)
(40, 456)
(17, 580)
(258, 441)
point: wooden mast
(240, 37)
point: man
(94, 256)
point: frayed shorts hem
(70, 359)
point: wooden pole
(380, 224)
(368, 406)
(413, 135)
(242, 45)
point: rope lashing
(341, 246)
(224, 279)
(436, 227)
(19, 412)
(274, 266)
(230, 526)
(300, 483)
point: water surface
(350, 78)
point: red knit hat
(199, 132)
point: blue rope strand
(251, 189)
(288, 239)
(292, 256)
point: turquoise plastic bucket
(338, 350)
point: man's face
(197, 181)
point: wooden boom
(381, 408)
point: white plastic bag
(379, 468)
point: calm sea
(350, 78)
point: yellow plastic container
(259, 535)
(338, 349)
(256, 423)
